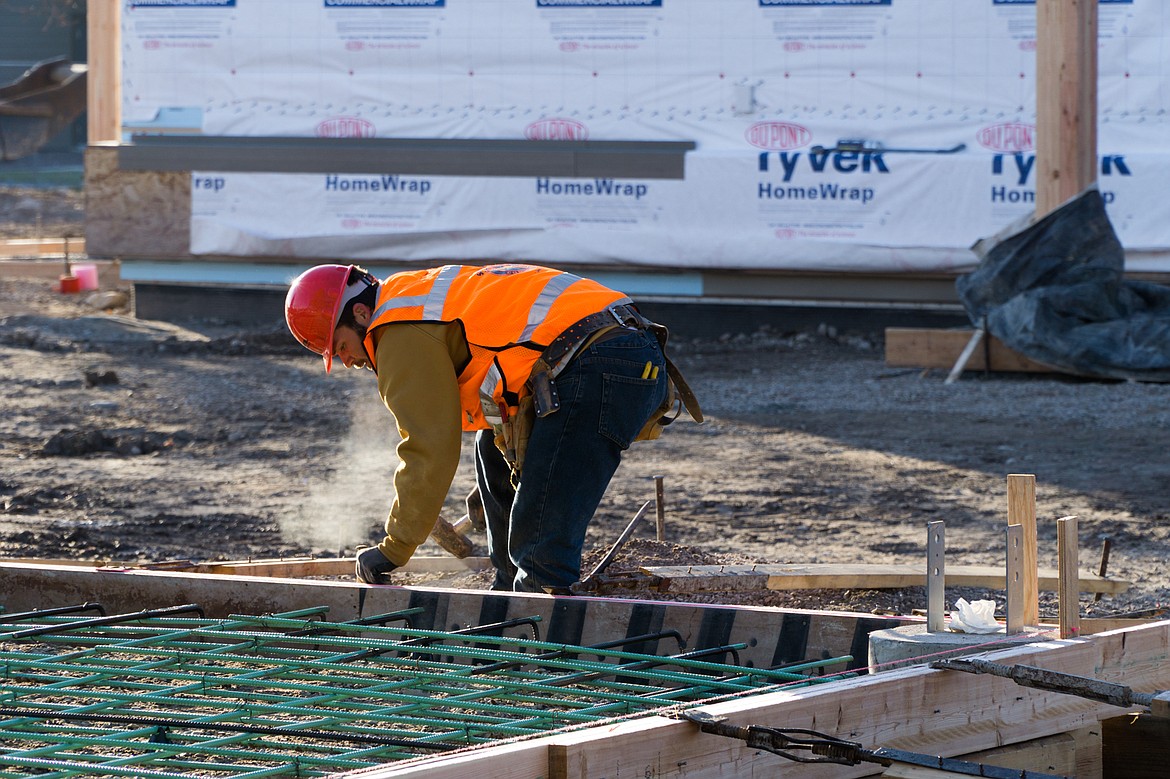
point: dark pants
(536, 532)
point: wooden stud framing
(104, 75)
(1066, 100)
(1021, 496)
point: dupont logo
(570, 46)
(556, 130)
(153, 43)
(1008, 136)
(793, 46)
(777, 136)
(355, 45)
(346, 127)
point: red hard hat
(311, 307)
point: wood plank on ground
(335, 566)
(829, 576)
(37, 247)
(912, 347)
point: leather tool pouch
(678, 393)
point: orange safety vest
(509, 314)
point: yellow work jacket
(508, 313)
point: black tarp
(1053, 291)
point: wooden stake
(1021, 495)
(1066, 541)
(104, 75)
(1066, 100)
(660, 505)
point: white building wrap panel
(942, 92)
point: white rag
(977, 617)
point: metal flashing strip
(680, 284)
(417, 156)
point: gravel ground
(217, 443)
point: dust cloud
(351, 491)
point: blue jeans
(536, 531)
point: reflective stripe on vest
(504, 309)
(432, 302)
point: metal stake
(1015, 581)
(935, 576)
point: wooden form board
(772, 636)
(918, 709)
(910, 347)
(1050, 755)
(818, 576)
(334, 566)
(36, 247)
(1136, 747)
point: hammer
(451, 535)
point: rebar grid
(292, 694)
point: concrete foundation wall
(132, 214)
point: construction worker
(556, 374)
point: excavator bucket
(38, 105)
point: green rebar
(293, 693)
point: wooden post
(1067, 564)
(1021, 494)
(1066, 100)
(660, 505)
(104, 74)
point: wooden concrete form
(773, 636)
(1059, 755)
(338, 566)
(910, 347)
(916, 709)
(1136, 747)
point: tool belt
(541, 399)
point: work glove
(373, 567)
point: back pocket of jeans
(626, 404)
